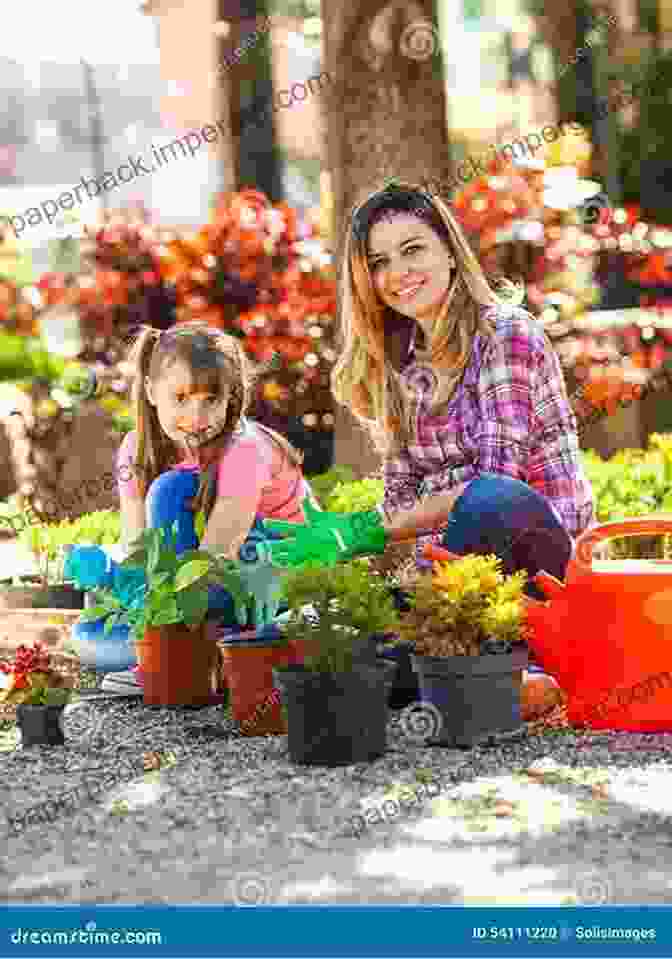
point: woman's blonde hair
(367, 378)
(215, 360)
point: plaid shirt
(508, 415)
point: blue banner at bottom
(334, 931)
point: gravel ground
(545, 819)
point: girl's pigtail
(147, 465)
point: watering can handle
(439, 554)
(654, 525)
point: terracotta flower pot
(248, 665)
(177, 666)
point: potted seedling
(336, 700)
(167, 617)
(49, 542)
(467, 620)
(39, 693)
(47, 588)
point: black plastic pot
(31, 594)
(335, 719)
(476, 696)
(40, 725)
(405, 689)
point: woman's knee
(507, 517)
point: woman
(462, 393)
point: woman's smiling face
(411, 266)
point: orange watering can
(605, 634)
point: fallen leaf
(535, 774)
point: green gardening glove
(260, 578)
(326, 538)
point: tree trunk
(247, 74)
(386, 116)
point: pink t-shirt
(253, 469)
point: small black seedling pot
(477, 696)
(33, 595)
(335, 719)
(40, 725)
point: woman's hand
(427, 517)
(326, 538)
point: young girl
(195, 452)
(462, 393)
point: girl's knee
(175, 482)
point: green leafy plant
(466, 608)
(176, 586)
(32, 681)
(324, 483)
(346, 602)
(46, 541)
(356, 496)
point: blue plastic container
(109, 654)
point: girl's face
(189, 415)
(412, 268)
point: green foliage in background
(25, 358)
(634, 482)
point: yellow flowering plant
(466, 608)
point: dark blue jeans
(500, 515)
